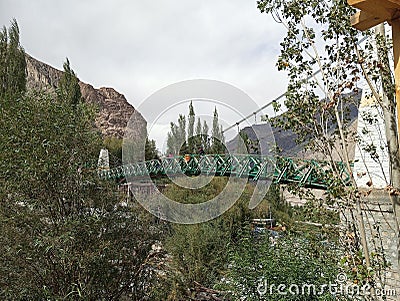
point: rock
(114, 110)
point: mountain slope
(114, 109)
(286, 139)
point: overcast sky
(141, 46)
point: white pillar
(371, 166)
(104, 161)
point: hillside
(286, 139)
(114, 109)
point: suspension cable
(276, 99)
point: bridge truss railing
(307, 173)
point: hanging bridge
(283, 170)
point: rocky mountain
(286, 139)
(114, 109)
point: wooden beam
(384, 9)
(362, 20)
(396, 56)
(374, 4)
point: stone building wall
(381, 236)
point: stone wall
(381, 235)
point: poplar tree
(172, 148)
(218, 140)
(191, 139)
(198, 143)
(181, 142)
(68, 86)
(150, 150)
(12, 63)
(204, 137)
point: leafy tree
(204, 137)
(191, 136)
(12, 63)
(195, 140)
(172, 140)
(65, 234)
(224, 248)
(199, 251)
(150, 150)
(319, 37)
(257, 265)
(182, 135)
(218, 140)
(114, 147)
(198, 134)
(252, 146)
(68, 86)
(176, 139)
(278, 207)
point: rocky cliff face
(114, 109)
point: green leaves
(257, 265)
(181, 141)
(64, 233)
(68, 87)
(12, 63)
(319, 58)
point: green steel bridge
(283, 170)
